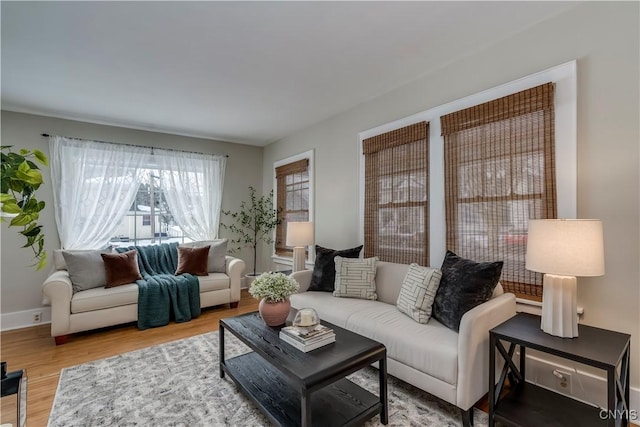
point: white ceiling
(249, 72)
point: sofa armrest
(57, 291)
(473, 347)
(303, 277)
(235, 270)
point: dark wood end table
(293, 388)
(527, 404)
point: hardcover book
(309, 346)
(304, 335)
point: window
(149, 219)
(293, 195)
(499, 173)
(494, 171)
(97, 184)
(396, 213)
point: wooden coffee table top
(348, 354)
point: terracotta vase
(274, 313)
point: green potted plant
(274, 290)
(252, 224)
(20, 178)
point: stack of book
(307, 338)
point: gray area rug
(178, 384)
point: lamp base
(299, 258)
(559, 306)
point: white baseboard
(24, 319)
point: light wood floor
(33, 349)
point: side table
(527, 404)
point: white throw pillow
(355, 278)
(418, 292)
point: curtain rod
(133, 145)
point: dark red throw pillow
(193, 260)
(121, 268)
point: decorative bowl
(306, 317)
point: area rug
(178, 384)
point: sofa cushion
(329, 308)
(324, 269)
(390, 275)
(86, 269)
(418, 291)
(214, 282)
(193, 260)
(465, 284)
(101, 298)
(355, 278)
(121, 268)
(430, 348)
(217, 261)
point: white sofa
(453, 366)
(100, 307)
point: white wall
(21, 284)
(604, 39)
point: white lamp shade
(567, 247)
(299, 233)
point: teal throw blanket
(160, 292)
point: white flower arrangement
(273, 287)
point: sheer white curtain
(94, 185)
(192, 184)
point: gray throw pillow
(418, 292)
(356, 278)
(86, 269)
(217, 261)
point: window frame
(565, 105)
(309, 156)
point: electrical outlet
(37, 317)
(563, 381)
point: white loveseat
(100, 307)
(453, 366)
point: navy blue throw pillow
(465, 284)
(324, 268)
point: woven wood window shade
(396, 208)
(499, 173)
(292, 181)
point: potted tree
(252, 224)
(20, 178)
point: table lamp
(299, 235)
(563, 249)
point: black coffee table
(294, 388)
